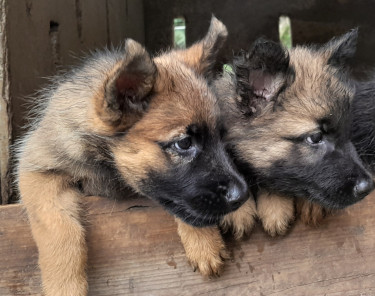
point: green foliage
(179, 37)
(285, 31)
(228, 68)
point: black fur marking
(270, 62)
(343, 48)
(199, 192)
(363, 127)
(330, 181)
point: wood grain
(5, 109)
(134, 250)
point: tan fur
(262, 139)
(198, 53)
(276, 212)
(242, 221)
(204, 248)
(310, 213)
(55, 213)
(311, 72)
(86, 142)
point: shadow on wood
(134, 250)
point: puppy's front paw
(310, 213)
(240, 222)
(204, 247)
(276, 212)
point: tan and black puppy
(124, 119)
(362, 137)
(289, 120)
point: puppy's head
(167, 131)
(293, 128)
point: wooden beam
(5, 109)
(134, 250)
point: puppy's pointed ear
(261, 74)
(125, 96)
(339, 50)
(202, 55)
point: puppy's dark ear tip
(267, 47)
(354, 31)
(340, 50)
(268, 55)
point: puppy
(288, 124)
(362, 137)
(124, 120)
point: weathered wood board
(134, 250)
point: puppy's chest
(102, 180)
(95, 170)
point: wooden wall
(39, 37)
(313, 21)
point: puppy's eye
(315, 138)
(183, 144)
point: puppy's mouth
(200, 221)
(338, 201)
(191, 216)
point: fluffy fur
(289, 121)
(276, 105)
(363, 126)
(363, 138)
(125, 120)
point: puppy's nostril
(236, 197)
(363, 188)
(222, 190)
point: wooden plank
(5, 110)
(134, 250)
(78, 26)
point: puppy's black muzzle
(235, 194)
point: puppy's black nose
(363, 188)
(235, 194)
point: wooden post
(5, 109)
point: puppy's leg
(54, 214)
(310, 213)
(276, 212)
(204, 247)
(242, 221)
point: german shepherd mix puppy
(288, 117)
(122, 120)
(289, 122)
(363, 139)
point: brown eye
(315, 138)
(183, 144)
